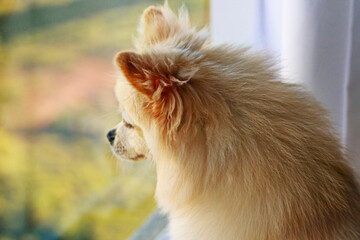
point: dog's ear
(156, 24)
(153, 79)
(165, 85)
(159, 24)
(131, 66)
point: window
(58, 177)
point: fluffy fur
(239, 154)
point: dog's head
(166, 90)
(150, 88)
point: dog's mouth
(121, 156)
(138, 157)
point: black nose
(111, 136)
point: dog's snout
(111, 135)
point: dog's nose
(111, 136)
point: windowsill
(155, 228)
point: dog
(238, 153)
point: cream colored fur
(238, 154)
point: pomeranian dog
(238, 154)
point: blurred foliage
(58, 177)
(10, 6)
(101, 34)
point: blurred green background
(58, 178)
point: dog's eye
(128, 125)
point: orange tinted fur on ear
(250, 157)
(130, 65)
